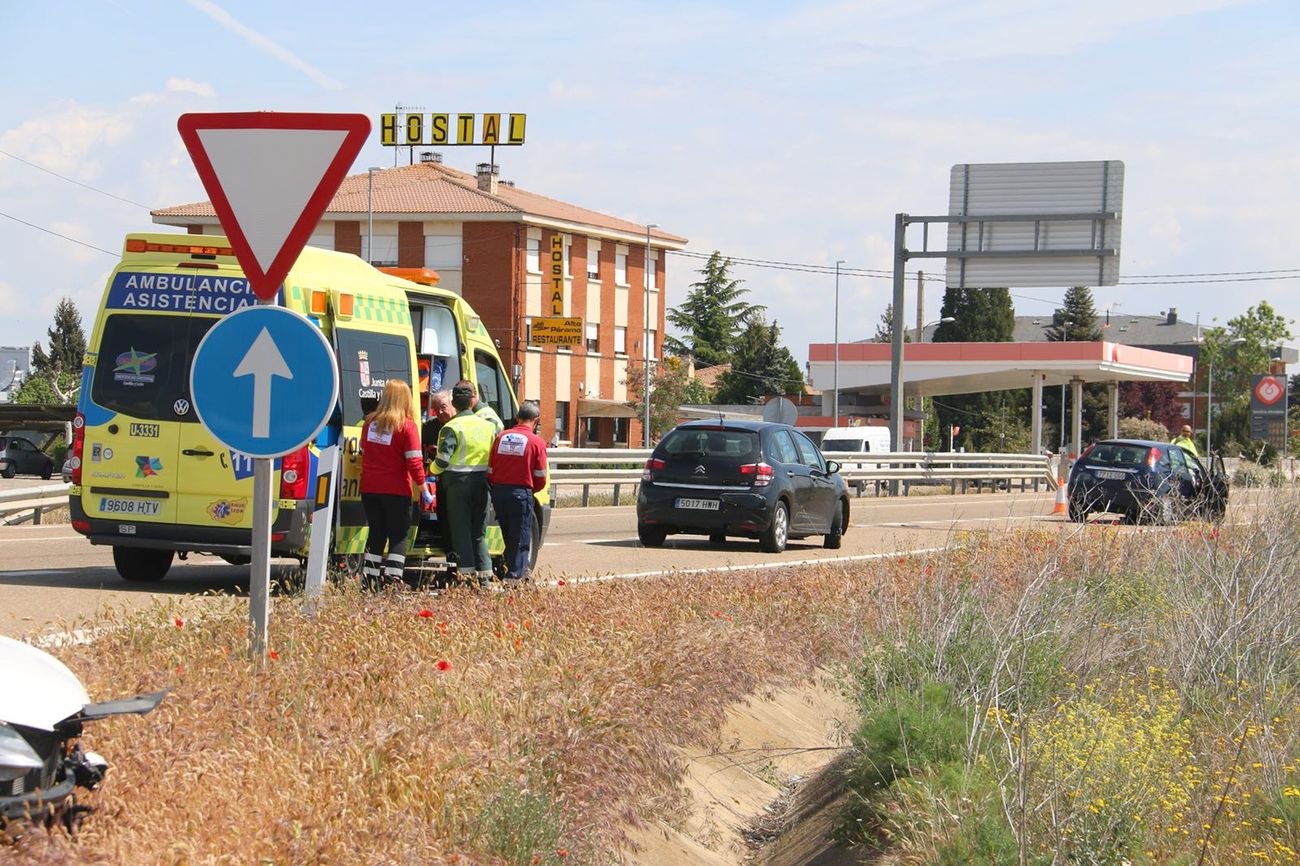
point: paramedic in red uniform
(391, 462)
(517, 468)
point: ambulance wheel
(141, 564)
(537, 543)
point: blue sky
(782, 132)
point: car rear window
(739, 444)
(1119, 455)
(144, 364)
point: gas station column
(1112, 399)
(1076, 418)
(1036, 422)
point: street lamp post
(370, 215)
(1209, 400)
(649, 349)
(835, 380)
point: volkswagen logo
(181, 407)
(700, 470)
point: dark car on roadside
(1147, 481)
(19, 455)
(748, 479)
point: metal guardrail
(618, 466)
(622, 466)
(29, 503)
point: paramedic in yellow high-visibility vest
(1185, 441)
(461, 464)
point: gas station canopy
(937, 369)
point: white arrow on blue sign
(264, 381)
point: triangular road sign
(270, 176)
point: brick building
(490, 242)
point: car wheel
(717, 538)
(236, 559)
(1168, 510)
(834, 539)
(142, 564)
(651, 536)
(778, 532)
(47, 471)
(9, 471)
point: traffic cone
(1061, 507)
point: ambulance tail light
(294, 468)
(344, 305)
(78, 445)
(319, 303)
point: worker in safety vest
(484, 410)
(1185, 441)
(461, 464)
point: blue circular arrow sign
(264, 381)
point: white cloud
(65, 138)
(186, 85)
(264, 43)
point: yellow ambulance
(147, 477)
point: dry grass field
(1092, 695)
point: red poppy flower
(442, 626)
(443, 665)
(273, 654)
(180, 623)
(560, 582)
(426, 613)
(561, 852)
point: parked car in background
(19, 455)
(751, 479)
(1146, 481)
(66, 472)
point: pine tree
(885, 329)
(762, 367)
(60, 367)
(979, 316)
(1076, 321)
(712, 316)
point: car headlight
(17, 757)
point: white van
(845, 441)
(857, 440)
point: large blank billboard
(1031, 249)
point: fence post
(616, 486)
(586, 494)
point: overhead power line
(72, 180)
(57, 234)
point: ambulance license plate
(134, 507)
(698, 504)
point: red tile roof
(434, 188)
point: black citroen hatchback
(749, 479)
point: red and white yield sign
(270, 176)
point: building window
(385, 250)
(534, 256)
(620, 431)
(650, 274)
(593, 263)
(620, 340)
(562, 418)
(593, 337)
(620, 268)
(654, 344)
(591, 431)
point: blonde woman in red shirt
(391, 463)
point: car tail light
(78, 446)
(761, 471)
(1153, 457)
(653, 465)
(82, 526)
(293, 474)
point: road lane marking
(9, 541)
(761, 566)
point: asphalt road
(50, 576)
